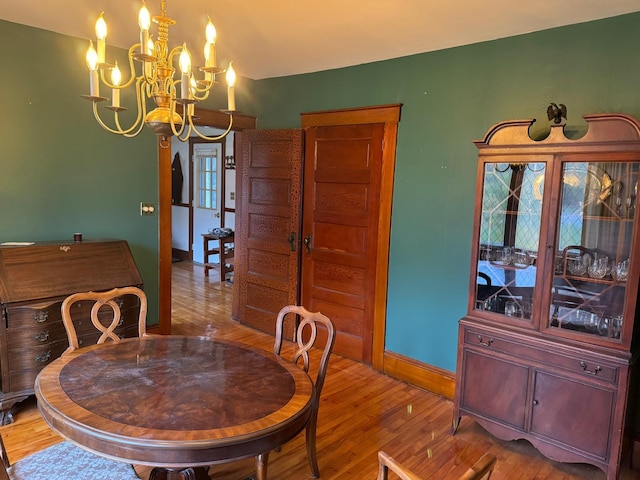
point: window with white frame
(207, 180)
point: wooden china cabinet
(546, 350)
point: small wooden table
(174, 401)
(225, 253)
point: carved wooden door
(267, 225)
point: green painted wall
(61, 173)
(450, 98)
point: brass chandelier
(154, 78)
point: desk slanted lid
(54, 269)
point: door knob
(307, 243)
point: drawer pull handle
(41, 317)
(595, 370)
(41, 337)
(485, 344)
(43, 357)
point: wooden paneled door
(346, 221)
(267, 225)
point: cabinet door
(494, 388)
(594, 265)
(508, 239)
(574, 413)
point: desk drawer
(33, 316)
(579, 362)
(24, 366)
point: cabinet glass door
(508, 238)
(593, 247)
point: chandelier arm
(150, 80)
(107, 127)
(187, 134)
(139, 123)
(142, 111)
(177, 50)
(203, 97)
(205, 137)
(206, 88)
(132, 67)
(132, 71)
(172, 111)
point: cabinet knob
(535, 403)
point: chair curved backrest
(481, 470)
(306, 334)
(110, 300)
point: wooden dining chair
(64, 461)
(306, 334)
(480, 470)
(106, 313)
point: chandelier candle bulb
(101, 34)
(92, 63)
(210, 46)
(116, 77)
(148, 65)
(231, 82)
(193, 87)
(185, 68)
(144, 22)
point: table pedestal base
(196, 473)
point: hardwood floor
(361, 412)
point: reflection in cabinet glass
(545, 351)
(509, 227)
(593, 254)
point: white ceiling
(272, 38)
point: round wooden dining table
(174, 401)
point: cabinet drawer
(580, 363)
(35, 336)
(24, 366)
(33, 316)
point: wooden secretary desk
(546, 350)
(34, 281)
